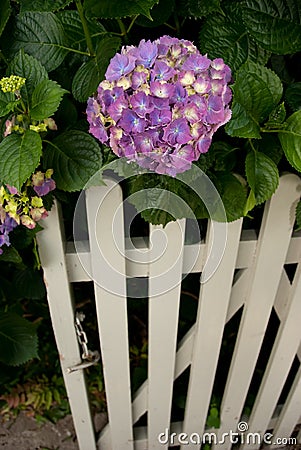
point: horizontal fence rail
(251, 280)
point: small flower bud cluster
(160, 104)
(24, 207)
(12, 83)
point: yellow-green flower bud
(12, 83)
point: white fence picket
(165, 276)
(52, 254)
(212, 310)
(108, 271)
(273, 243)
(290, 413)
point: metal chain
(81, 335)
(91, 357)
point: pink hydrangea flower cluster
(24, 207)
(160, 104)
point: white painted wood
(284, 350)
(266, 273)
(211, 317)
(59, 295)
(290, 413)
(108, 270)
(137, 264)
(165, 276)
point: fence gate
(252, 278)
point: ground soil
(25, 433)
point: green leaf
(197, 8)
(160, 14)
(19, 155)
(5, 11)
(257, 90)
(7, 102)
(213, 419)
(29, 284)
(22, 237)
(41, 35)
(75, 157)
(85, 81)
(293, 96)
(10, 254)
(118, 8)
(73, 28)
(290, 139)
(31, 69)
(262, 175)
(225, 36)
(269, 145)
(242, 123)
(298, 215)
(18, 339)
(46, 99)
(89, 75)
(275, 25)
(233, 195)
(277, 117)
(42, 5)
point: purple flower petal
(119, 66)
(161, 90)
(178, 132)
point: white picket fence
(251, 276)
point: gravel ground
(25, 433)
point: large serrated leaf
(5, 11)
(31, 69)
(197, 8)
(75, 157)
(262, 175)
(90, 74)
(290, 139)
(233, 195)
(293, 96)
(118, 8)
(11, 255)
(226, 37)
(42, 5)
(29, 284)
(274, 24)
(73, 28)
(19, 155)
(18, 339)
(46, 99)
(160, 14)
(41, 35)
(257, 91)
(7, 102)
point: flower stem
(123, 30)
(84, 22)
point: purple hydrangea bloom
(6, 227)
(177, 132)
(160, 104)
(120, 65)
(45, 188)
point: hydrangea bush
(160, 104)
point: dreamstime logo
(101, 211)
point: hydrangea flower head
(160, 104)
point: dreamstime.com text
(241, 436)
